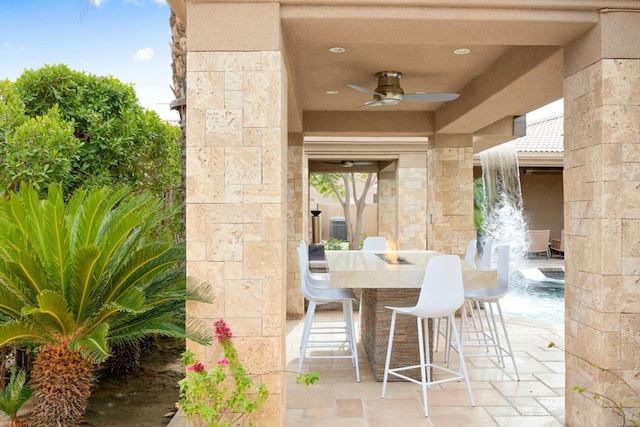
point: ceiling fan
(389, 92)
(349, 163)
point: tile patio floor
(338, 400)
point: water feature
(502, 210)
(541, 299)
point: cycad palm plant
(70, 273)
(14, 395)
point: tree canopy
(63, 126)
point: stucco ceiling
(514, 66)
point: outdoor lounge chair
(557, 245)
(538, 242)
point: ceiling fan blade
(348, 163)
(372, 104)
(363, 89)
(430, 97)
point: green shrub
(40, 151)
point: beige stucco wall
(330, 210)
(542, 198)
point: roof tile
(543, 135)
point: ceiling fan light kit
(389, 92)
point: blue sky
(127, 39)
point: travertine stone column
(411, 194)
(237, 185)
(602, 216)
(387, 205)
(450, 187)
(297, 223)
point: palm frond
(16, 212)
(82, 294)
(27, 202)
(173, 278)
(198, 331)
(11, 241)
(142, 266)
(133, 322)
(87, 212)
(127, 224)
(20, 333)
(51, 313)
(15, 394)
(199, 291)
(55, 237)
(29, 275)
(94, 346)
(132, 301)
(103, 315)
(10, 303)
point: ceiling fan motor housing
(389, 90)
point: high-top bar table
(391, 279)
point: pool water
(535, 300)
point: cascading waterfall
(503, 213)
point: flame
(392, 255)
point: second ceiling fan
(389, 92)
(349, 163)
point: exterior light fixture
(337, 49)
(331, 92)
(462, 51)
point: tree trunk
(61, 381)
(351, 236)
(179, 77)
(360, 205)
(178, 56)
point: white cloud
(96, 3)
(7, 45)
(143, 54)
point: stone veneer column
(387, 205)
(450, 187)
(411, 196)
(237, 186)
(297, 224)
(602, 216)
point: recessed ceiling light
(337, 49)
(462, 51)
(331, 92)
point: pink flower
(223, 362)
(196, 367)
(222, 331)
